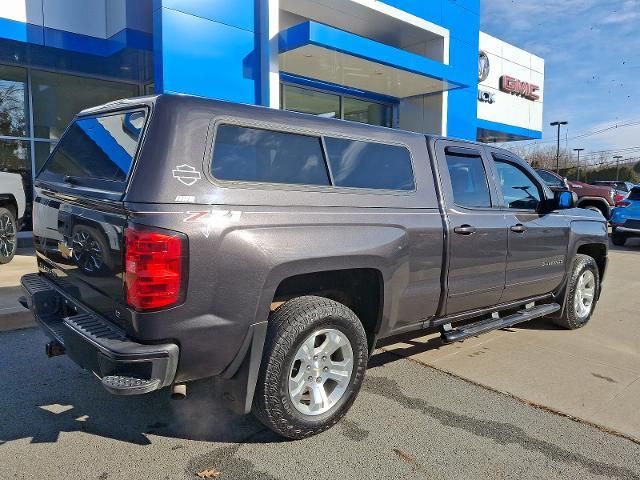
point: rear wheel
(312, 368)
(582, 293)
(618, 239)
(8, 235)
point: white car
(12, 205)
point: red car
(592, 197)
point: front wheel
(312, 368)
(582, 293)
(8, 235)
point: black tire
(618, 239)
(8, 235)
(289, 326)
(570, 318)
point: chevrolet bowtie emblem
(65, 250)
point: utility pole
(578, 164)
(617, 159)
(558, 124)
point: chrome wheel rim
(7, 236)
(585, 293)
(320, 372)
(87, 252)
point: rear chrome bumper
(125, 366)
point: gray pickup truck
(180, 238)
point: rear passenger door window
(360, 164)
(468, 179)
(256, 155)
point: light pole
(617, 159)
(578, 163)
(557, 124)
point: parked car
(620, 186)
(12, 207)
(625, 219)
(272, 250)
(592, 197)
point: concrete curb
(16, 320)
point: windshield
(549, 178)
(97, 150)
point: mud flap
(237, 384)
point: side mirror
(565, 200)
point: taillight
(622, 204)
(155, 268)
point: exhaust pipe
(54, 349)
(178, 391)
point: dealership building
(412, 64)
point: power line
(589, 134)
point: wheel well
(9, 202)
(601, 205)
(598, 252)
(360, 289)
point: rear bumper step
(474, 329)
(125, 366)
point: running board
(450, 335)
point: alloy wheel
(585, 293)
(8, 236)
(320, 372)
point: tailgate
(78, 214)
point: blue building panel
(462, 114)
(506, 132)
(203, 57)
(471, 5)
(235, 13)
(220, 49)
(312, 33)
(462, 23)
(21, 32)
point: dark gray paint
(260, 235)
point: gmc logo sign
(518, 87)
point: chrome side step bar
(455, 334)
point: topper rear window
(97, 151)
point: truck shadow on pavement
(632, 245)
(42, 398)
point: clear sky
(591, 50)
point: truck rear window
(97, 150)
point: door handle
(465, 230)
(519, 228)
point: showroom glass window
(15, 154)
(58, 97)
(332, 105)
(35, 108)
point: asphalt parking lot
(410, 421)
